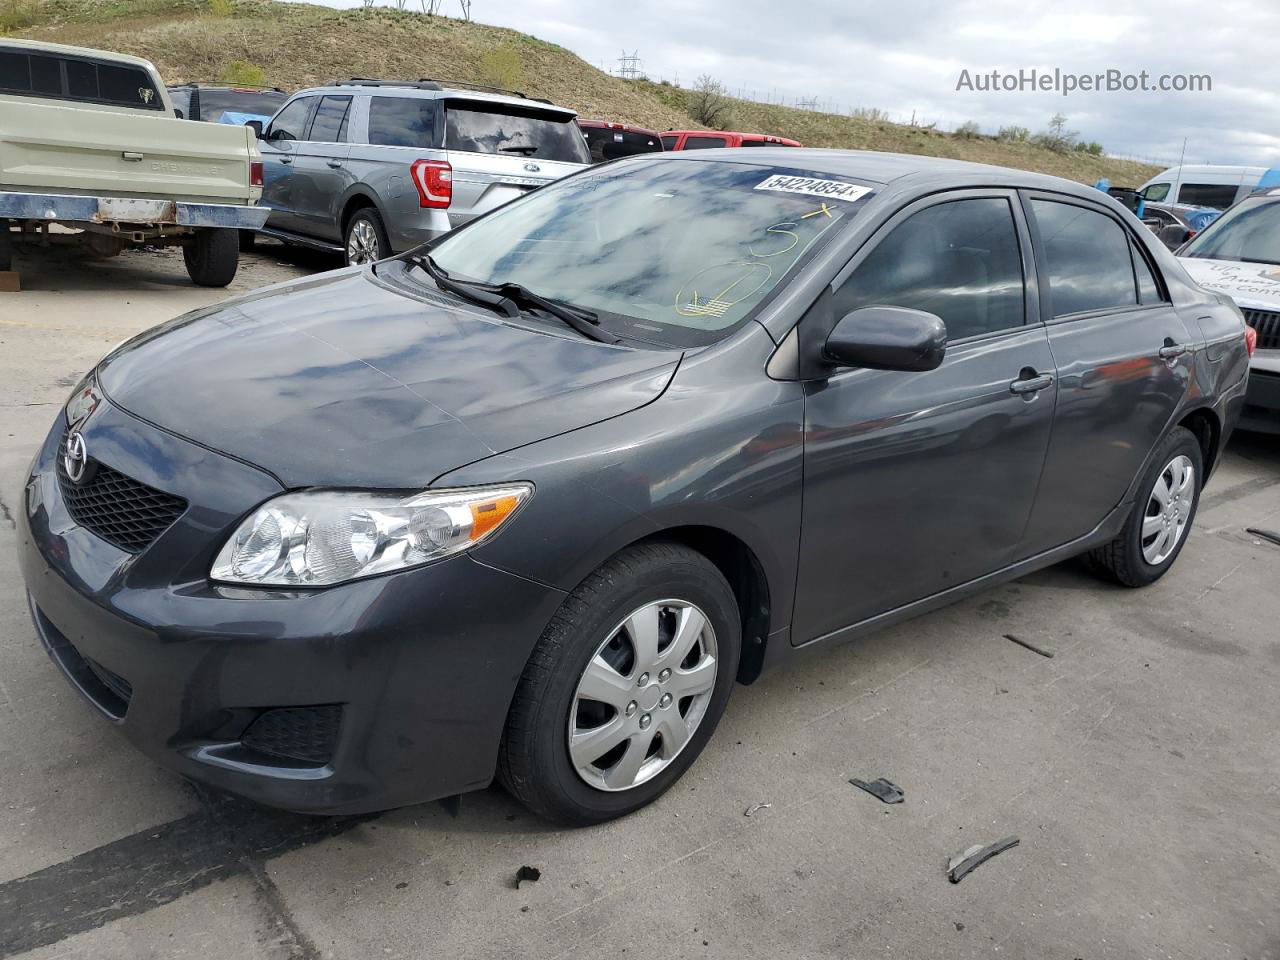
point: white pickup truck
(89, 140)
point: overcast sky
(908, 56)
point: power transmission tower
(629, 65)
(807, 104)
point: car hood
(347, 380)
(1253, 286)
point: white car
(1239, 255)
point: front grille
(1267, 323)
(306, 734)
(119, 509)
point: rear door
(501, 151)
(279, 148)
(915, 483)
(1124, 360)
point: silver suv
(374, 167)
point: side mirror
(1174, 235)
(256, 126)
(887, 338)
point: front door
(320, 170)
(279, 149)
(1124, 360)
(918, 482)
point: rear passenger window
(1148, 289)
(703, 143)
(291, 122)
(959, 260)
(86, 80)
(329, 122)
(46, 76)
(1086, 255)
(1220, 195)
(402, 122)
(126, 85)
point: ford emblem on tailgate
(76, 459)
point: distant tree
(431, 7)
(466, 9)
(873, 114)
(1014, 134)
(1057, 138)
(709, 104)
(969, 130)
(243, 73)
(501, 67)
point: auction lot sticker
(830, 189)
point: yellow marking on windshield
(822, 210)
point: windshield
(677, 251)
(259, 103)
(509, 132)
(1249, 231)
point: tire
(534, 761)
(365, 238)
(6, 247)
(247, 240)
(212, 256)
(1131, 559)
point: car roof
(882, 168)
(445, 93)
(39, 46)
(614, 125)
(729, 133)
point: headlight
(320, 538)
(83, 401)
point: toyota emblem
(75, 460)
(532, 167)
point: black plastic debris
(881, 789)
(963, 863)
(1264, 534)
(529, 874)
(1029, 645)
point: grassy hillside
(298, 45)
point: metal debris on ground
(881, 789)
(962, 863)
(755, 808)
(1264, 534)
(1029, 645)
(529, 874)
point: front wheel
(624, 688)
(1161, 517)
(212, 256)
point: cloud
(905, 58)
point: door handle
(130, 155)
(1033, 384)
(286, 159)
(1171, 351)
(336, 164)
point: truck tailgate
(42, 147)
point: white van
(1202, 185)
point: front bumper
(1262, 400)
(130, 211)
(422, 664)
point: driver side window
(291, 122)
(959, 260)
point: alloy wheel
(362, 243)
(642, 695)
(1168, 510)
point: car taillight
(434, 180)
(1250, 339)
(255, 173)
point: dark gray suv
(372, 167)
(531, 500)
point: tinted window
(181, 98)
(327, 127)
(758, 143)
(291, 123)
(509, 133)
(1086, 254)
(402, 122)
(258, 104)
(1249, 231)
(669, 142)
(1157, 192)
(1220, 195)
(82, 80)
(703, 143)
(126, 85)
(959, 260)
(86, 80)
(46, 76)
(1148, 289)
(607, 144)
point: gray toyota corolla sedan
(531, 499)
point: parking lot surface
(1139, 766)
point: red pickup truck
(707, 139)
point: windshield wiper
(475, 292)
(507, 297)
(526, 150)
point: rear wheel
(1157, 527)
(366, 238)
(212, 256)
(624, 688)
